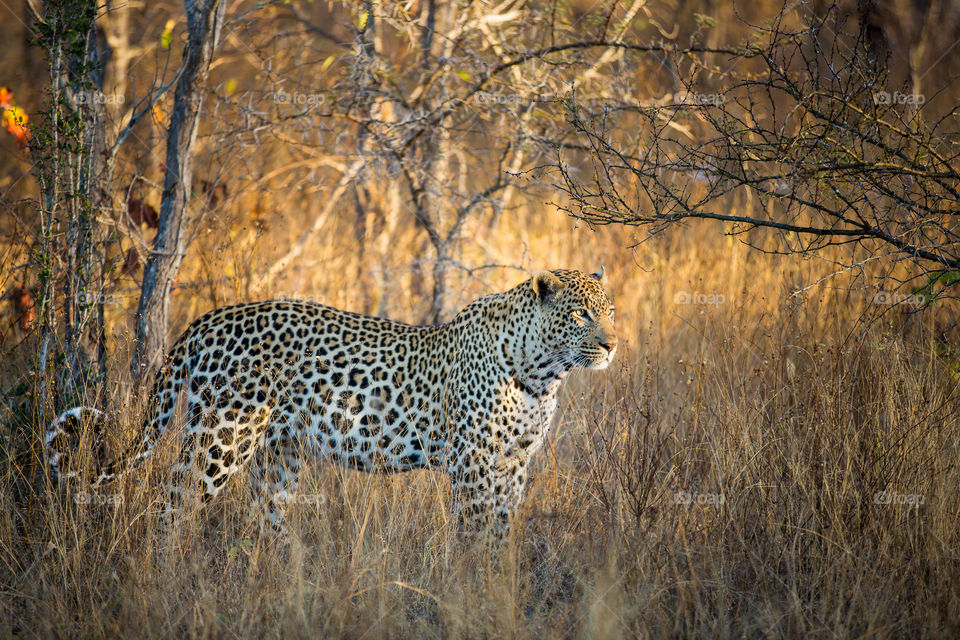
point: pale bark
(204, 22)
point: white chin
(602, 364)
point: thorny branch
(806, 128)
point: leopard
(272, 386)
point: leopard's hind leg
(217, 443)
(276, 469)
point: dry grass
(778, 419)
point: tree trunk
(74, 177)
(204, 21)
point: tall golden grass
(750, 466)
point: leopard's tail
(61, 445)
(62, 442)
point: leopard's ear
(546, 286)
(598, 276)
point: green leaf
(945, 278)
(704, 21)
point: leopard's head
(575, 317)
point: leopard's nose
(609, 343)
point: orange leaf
(15, 121)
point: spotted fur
(269, 385)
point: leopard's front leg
(487, 490)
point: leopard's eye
(581, 315)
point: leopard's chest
(524, 417)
